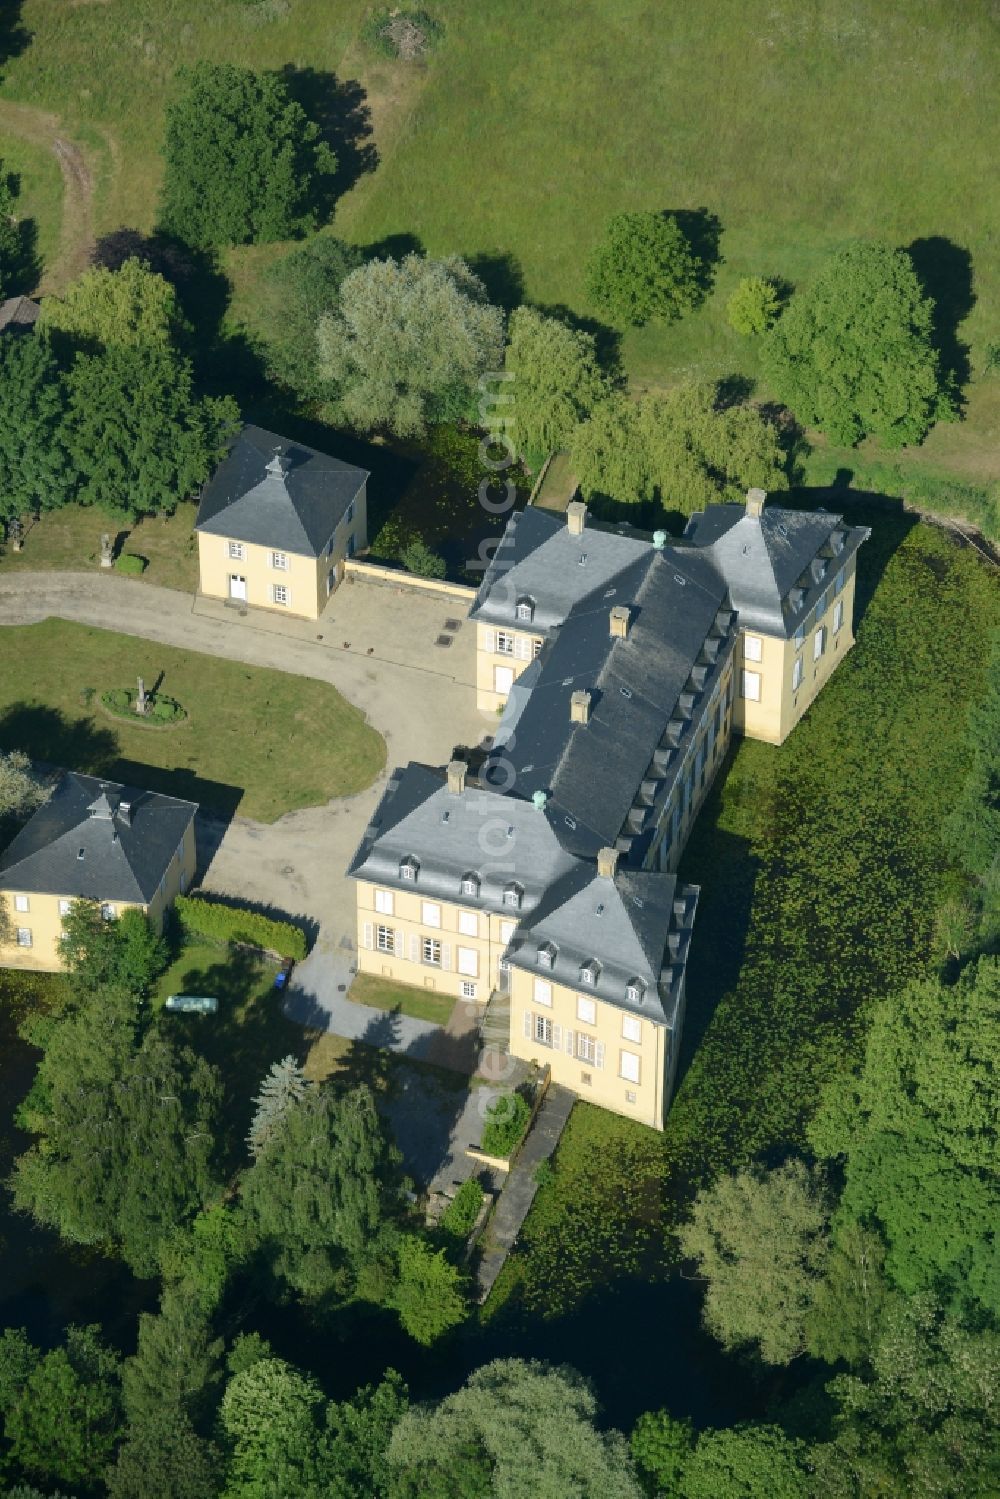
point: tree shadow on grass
(607, 340)
(202, 288)
(501, 274)
(22, 271)
(944, 271)
(14, 38)
(53, 738)
(340, 108)
(703, 231)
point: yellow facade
(284, 582)
(43, 918)
(605, 1054)
(501, 656)
(430, 943)
(778, 679)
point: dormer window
(470, 884)
(513, 895)
(546, 955)
(590, 973)
(525, 609)
(635, 991)
(409, 868)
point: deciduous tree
(745, 1462)
(760, 1241)
(127, 954)
(661, 1445)
(61, 1410)
(853, 353)
(103, 308)
(244, 165)
(431, 1294)
(753, 306)
(517, 1428)
(408, 342)
(644, 269)
(298, 290)
(557, 381)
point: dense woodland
(809, 1250)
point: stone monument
(106, 557)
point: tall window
(385, 939)
(586, 1009)
(22, 903)
(586, 1047)
(468, 961)
(348, 518)
(838, 615)
(384, 902)
(430, 951)
(628, 1066)
(819, 643)
(280, 593)
(841, 579)
(505, 643)
(280, 561)
(64, 907)
(751, 686)
(468, 990)
(237, 551)
(632, 1029)
(543, 992)
(752, 647)
(800, 635)
(108, 911)
(24, 936)
(468, 923)
(543, 1030)
(430, 913)
(797, 674)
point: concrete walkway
(377, 645)
(520, 1188)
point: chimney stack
(457, 770)
(579, 707)
(125, 812)
(607, 863)
(620, 619)
(756, 500)
(576, 517)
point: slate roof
(125, 853)
(18, 315)
(591, 772)
(636, 927)
(503, 839)
(269, 491)
(775, 565)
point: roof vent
(620, 618)
(538, 800)
(576, 517)
(80, 853)
(659, 540)
(607, 863)
(756, 500)
(579, 707)
(457, 771)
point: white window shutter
(397, 943)
(446, 956)
(490, 641)
(557, 1038)
(599, 1058)
(414, 948)
(569, 1042)
(369, 935)
(527, 1025)
(522, 647)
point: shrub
(431, 1294)
(418, 558)
(645, 268)
(459, 1216)
(118, 699)
(128, 562)
(753, 306)
(406, 34)
(166, 710)
(222, 923)
(506, 1121)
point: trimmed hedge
(163, 710)
(506, 1121)
(459, 1216)
(221, 923)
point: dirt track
(76, 239)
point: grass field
(39, 201)
(70, 539)
(366, 989)
(255, 741)
(798, 126)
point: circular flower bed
(162, 712)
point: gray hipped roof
(97, 840)
(271, 492)
(18, 315)
(777, 564)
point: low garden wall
(373, 572)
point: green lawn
(798, 127)
(38, 204)
(256, 741)
(820, 871)
(70, 538)
(383, 994)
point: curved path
(421, 699)
(76, 238)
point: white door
(503, 679)
(237, 587)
